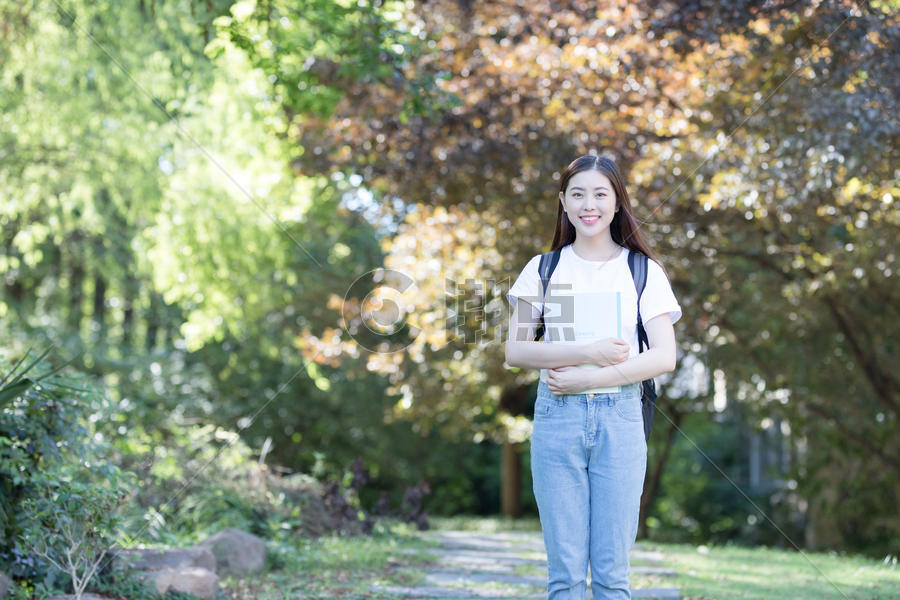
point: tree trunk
(651, 486)
(128, 315)
(130, 294)
(100, 306)
(511, 480)
(153, 317)
(76, 283)
(882, 381)
(517, 400)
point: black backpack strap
(637, 262)
(548, 263)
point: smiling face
(589, 202)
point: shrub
(41, 426)
(57, 497)
(70, 522)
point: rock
(237, 552)
(193, 580)
(191, 570)
(5, 585)
(165, 558)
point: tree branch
(854, 437)
(839, 424)
(882, 383)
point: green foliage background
(189, 190)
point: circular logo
(375, 308)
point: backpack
(637, 263)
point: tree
(526, 78)
(152, 224)
(682, 89)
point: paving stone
(463, 577)
(649, 556)
(646, 594)
(480, 571)
(468, 539)
(459, 557)
(434, 593)
(505, 560)
(473, 565)
(439, 592)
(497, 548)
(533, 542)
(480, 566)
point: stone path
(471, 565)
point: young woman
(588, 451)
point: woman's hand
(610, 351)
(568, 380)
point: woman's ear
(562, 200)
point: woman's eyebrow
(599, 187)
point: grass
(738, 572)
(396, 555)
(485, 524)
(726, 572)
(337, 566)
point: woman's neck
(596, 247)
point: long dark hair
(624, 229)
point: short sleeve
(527, 287)
(658, 297)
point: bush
(57, 498)
(41, 427)
(194, 481)
(70, 523)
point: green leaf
(14, 390)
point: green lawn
(336, 566)
(724, 572)
(736, 572)
(345, 567)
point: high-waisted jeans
(588, 460)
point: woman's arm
(658, 358)
(522, 351)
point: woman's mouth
(590, 219)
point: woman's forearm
(647, 364)
(543, 355)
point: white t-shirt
(578, 286)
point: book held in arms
(572, 317)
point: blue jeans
(588, 460)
